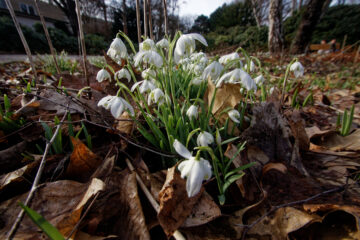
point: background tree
(275, 39)
(201, 24)
(68, 7)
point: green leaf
(232, 179)
(41, 222)
(87, 136)
(7, 103)
(239, 169)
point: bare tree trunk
(253, 5)
(124, 17)
(106, 19)
(82, 39)
(300, 4)
(165, 17)
(293, 7)
(307, 26)
(23, 40)
(138, 20)
(150, 21)
(52, 51)
(145, 19)
(275, 41)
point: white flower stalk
(149, 57)
(117, 105)
(259, 80)
(297, 68)
(163, 43)
(123, 73)
(234, 115)
(117, 49)
(229, 58)
(213, 70)
(204, 139)
(185, 45)
(192, 112)
(145, 86)
(252, 66)
(156, 96)
(195, 170)
(148, 74)
(103, 75)
(147, 45)
(237, 76)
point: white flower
(163, 43)
(156, 96)
(271, 90)
(237, 76)
(234, 115)
(252, 66)
(192, 112)
(105, 102)
(117, 49)
(197, 68)
(147, 45)
(103, 75)
(197, 81)
(259, 80)
(297, 68)
(123, 73)
(117, 105)
(197, 57)
(145, 86)
(195, 170)
(148, 74)
(229, 58)
(150, 57)
(185, 45)
(213, 70)
(204, 139)
(12, 81)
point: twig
(166, 18)
(145, 19)
(273, 209)
(177, 235)
(34, 186)
(138, 21)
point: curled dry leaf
(125, 123)
(60, 203)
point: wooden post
(150, 21)
(82, 40)
(23, 40)
(145, 19)
(343, 43)
(52, 51)
(165, 17)
(138, 20)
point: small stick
(23, 40)
(34, 186)
(138, 20)
(165, 17)
(177, 235)
(150, 21)
(52, 51)
(357, 54)
(145, 19)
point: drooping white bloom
(105, 102)
(252, 66)
(197, 81)
(195, 170)
(150, 57)
(229, 58)
(297, 68)
(12, 82)
(145, 86)
(103, 75)
(259, 80)
(123, 73)
(117, 49)
(271, 90)
(234, 115)
(192, 112)
(117, 105)
(197, 69)
(185, 45)
(213, 70)
(237, 76)
(163, 43)
(204, 139)
(197, 56)
(147, 45)
(156, 96)
(148, 74)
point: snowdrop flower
(163, 43)
(147, 45)
(192, 112)
(148, 74)
(197, 81)
(259, 80)
(271, 90)
(213, 70)
(237, 76)
(156, 96)
(204, 139)
(145, 86)
(117, 105)
(197, 68)
(12, 82)
(194, 169)
(229, 58)
(196, 57)
(150, 57)
(234, 115)
(123, 73)
(297, 68)
(117, 49)
(185, 45)
(252, 66)
(103, 75)
(105, 102)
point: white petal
(181, 149)
(136, 85)
(206, 168)
(117, 107)
(198, 37)
(194, 180)
(234, 115)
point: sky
(198, 7)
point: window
(26, 8)
(2, 4)
(23, 8)
(31, 10)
